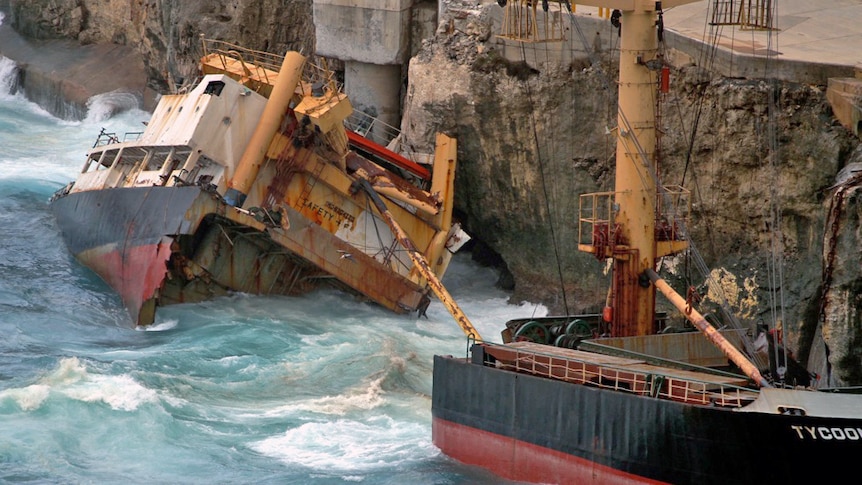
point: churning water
(320, 389)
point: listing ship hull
(157, 246)
(252, 182)
(123, 235)
(536, 429)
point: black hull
(488, 417)
(135, 216)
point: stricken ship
(260, 179)
(619, 396)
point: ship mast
(630, 236)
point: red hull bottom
(516, 460)
(136, 273)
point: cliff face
(527, 147)
(530, 141)
(167, 32)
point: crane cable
(776, 263)
(533, 123)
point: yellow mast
(635, 191)
(272, 116)
(633, 241)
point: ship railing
(594, 208)
(598, 231)
(633, 377)
(372, 128)
(107, 138)
(596, 226)
(318, 73)
(385, 135)
(250, 58)
(265, 65)
(673, 213)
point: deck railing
(653, 382)
(266, 65)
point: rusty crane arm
(708, 330)
(420, 263)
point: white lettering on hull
(827, 434)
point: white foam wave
(49, 171)
(356, 399)
(103, 106)
(71, 379)
(160, 326)
(322, 339)
(122, 393)
(27, 398)
(67, 373)
(349, 447)
(8, 75)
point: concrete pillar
(372, 37)
(375, 89)
(372, 31)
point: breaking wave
(361, 398)
(104, 106)
(72, 380)
(8, 75)
(347, 446)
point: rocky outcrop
(167, 33)
(841, 328)
(522, 162)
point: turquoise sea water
(320, 389)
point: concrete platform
(816, 40)
(816, 31)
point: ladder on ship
(314, 175)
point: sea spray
(106, 105)
(9, 76)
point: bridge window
(214, 88)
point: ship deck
(621, 373)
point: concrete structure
(369, 31)
(845, 96)
(823, 35)
(815, 40)
(374, 38)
